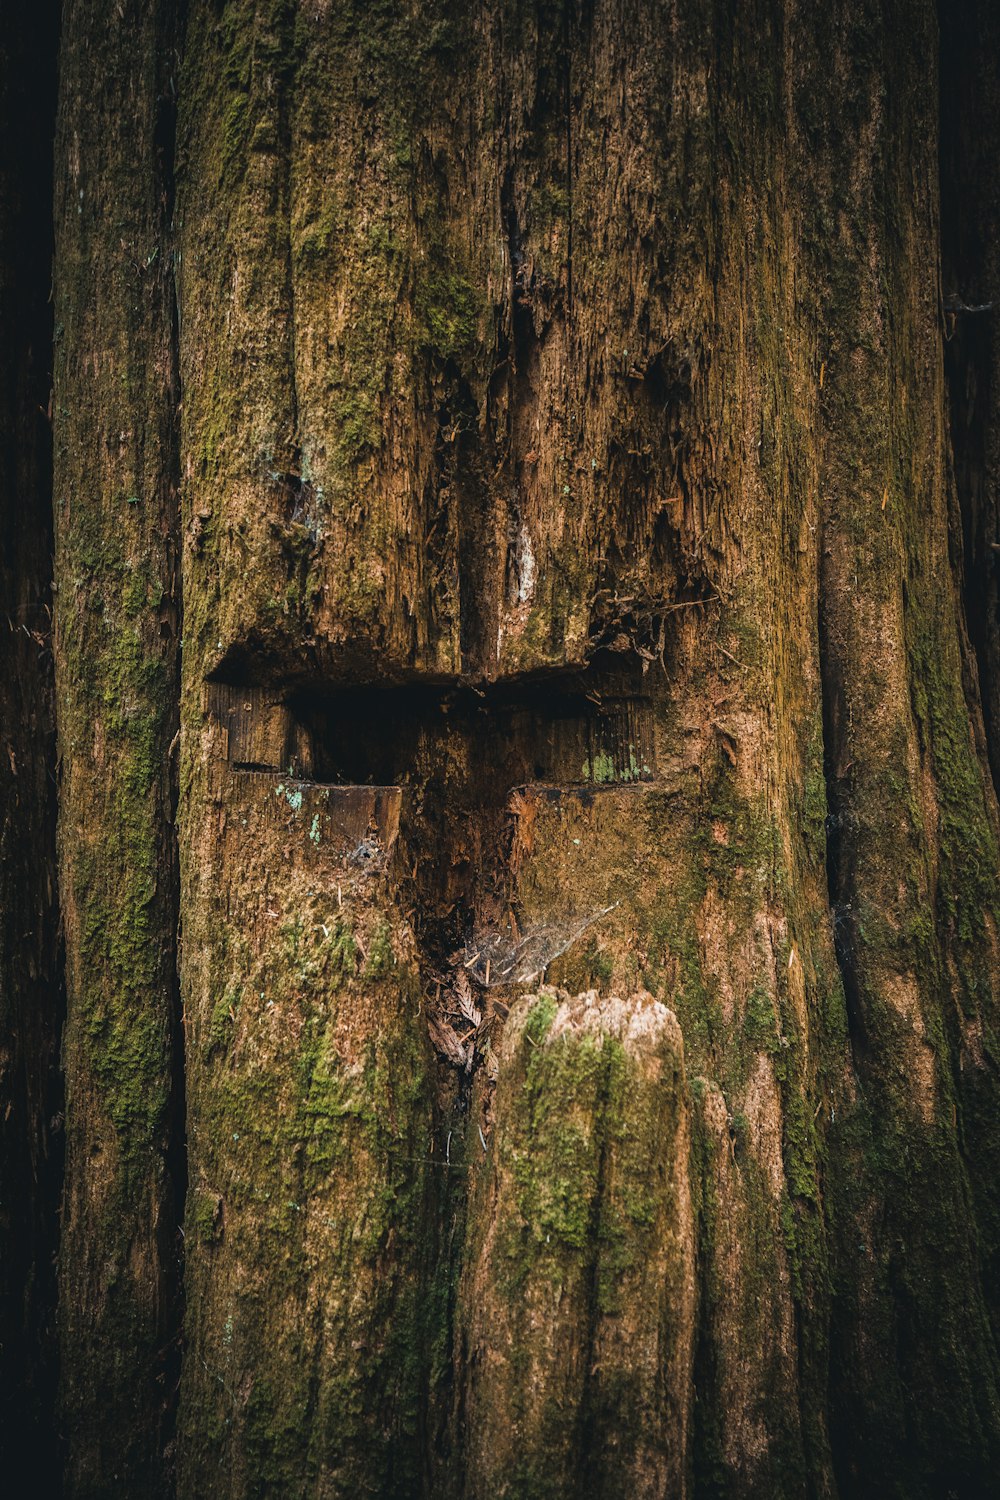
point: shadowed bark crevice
(32, 996)
(970, 278)
(172, 1248)
(118, 619)
(836, 771)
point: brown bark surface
(566, 435)
(115, 505)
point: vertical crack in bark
(286, 150)
(460, 477)
(834, 771)
(165, 143)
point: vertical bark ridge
(116, 647)
(309, 1124)
(914, 893)
(578, 1295)
(970, 121)
(970, 216)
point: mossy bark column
(579, 1295)
(115, 502)
(310, 1144)
(717, 880)
(914, 853)
(309, 1122)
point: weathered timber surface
(579, 481)
(115, 505)
(309, 1131)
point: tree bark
(525, 502)
(115, 505)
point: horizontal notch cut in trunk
(453, 755)
(593, 727)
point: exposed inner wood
(457, 755)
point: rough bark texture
(579, 1297)
(575, 452)
(913, 879)
(117, 614)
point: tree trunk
(527, 684)
(115, 504)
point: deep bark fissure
(835, 770)
(706, 1464)
(568, 92)
(590, 1437)
(165, 142)
(32, 980)
(460, 482)
(969, 110)
(285, 149)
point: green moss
(123, 1001)
(556, 1201)
(599, 964)
(746, 864)
(539, 1019)
(223, 1021)
(448, 310)
(814, 799)
(732, 846)
(316, 1133)
(141, 590)
(381, 958)
(579, 1199)
(602, 768)
(318, 953)
(253, 43)
(760, 1023)
(205, 1216)
(674, 938)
